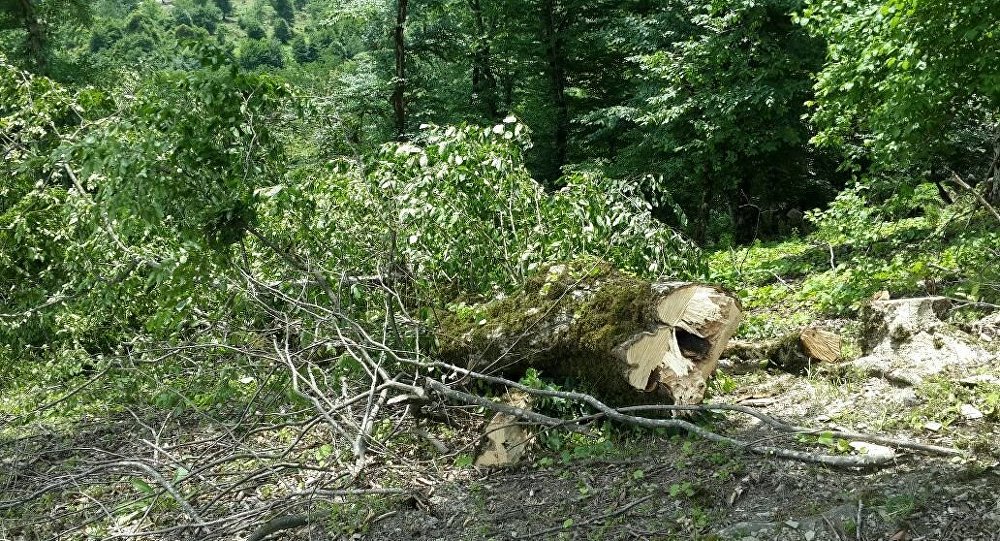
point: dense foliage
(146, 144)
(909, 86)
(237, 207)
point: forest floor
(684, 488)
(637, 485)
(630, 485)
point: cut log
(820, 345)
(626, 339)
(507, 438)
(792, 352)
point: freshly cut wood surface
(821, 345)
(793, 351)
(507, 439)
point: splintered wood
(695, 323)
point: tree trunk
(484, 82)
(626, 339)
(36, 35)
(552, 34)
(398, 97)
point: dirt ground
(684, 488)
(681, 488)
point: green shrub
(304, 51)
(204, 16)
(259, 53)
(282, 32)
(255, 31)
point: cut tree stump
(908, 340)
(792, 352)
(625, 339)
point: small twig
(783, 282)
(833, 528)
(963, 303)
(600, 518)
(857, 523)
(73, 392)
(166, 485)
(278, 524)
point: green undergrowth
(48, 395)
(908, 245)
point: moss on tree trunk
(628, 340)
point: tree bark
(36, 35)
(398, 94)
(630, 341)
(552, 37)
(484, 82)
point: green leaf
(142, 486)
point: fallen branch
(982, 200)
(288, 522)
(793, 429)
(620, 415)
(279, 524)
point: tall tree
(554, 18)
(399, 85)
(226, 6)
(724, 117)
(284, 9)
(37, 20)
(484, 82)
(282, 32)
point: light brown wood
(791, 352)
(820, 345)
(506, 437)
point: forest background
(187, 185)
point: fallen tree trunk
(627, 339)
(792, 352)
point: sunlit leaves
(468, 219)
(912, 84)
